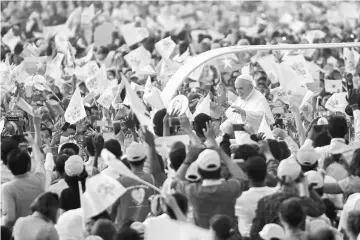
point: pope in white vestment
(250, 106)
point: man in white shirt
(250, 106)
(338, 129)
(352, 204)
(246, 204)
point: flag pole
(185, 70)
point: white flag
(349, 59)
(300, 67)
(110, 160)
(313, 34)
(288, 82)
(152, 95)
(137, 106)
(153, 98)
(53, 68)
(165, 47)
(138, 58)
(98, 82)
(146, 70)
(51, 31)
(117, 99)
(101, 192)
(30, 50)
(75, 111)
(6, 80)
(280, 94)
(106, 97)
(337, 102)
(333, 86)
(264, 128)
(88, 98)
(10, 39)
(21, 103)
(61, 43)
(133, 34)
(196, 74)
(203, 106)
(87, 15)
(267, 63)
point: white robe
(255, 106)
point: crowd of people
(100, 139)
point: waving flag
(117, 99)
(337, 102)
(265, 128)
(165, 47)
(75, 111)
(138, 58)
(137, 106)
(229, 63)
(101, 192)
(333, 86)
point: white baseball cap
(272, 230)
(322, 121)
(209, 160)
(290, 169)
(314, 177)
(192, 173)
(307, 156)
(135, 152)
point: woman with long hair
(39, 225)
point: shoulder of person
(7, 187)
(49, 231)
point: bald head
(243, 86)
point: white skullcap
(246, 78)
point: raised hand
(353, 97)
(185, 123)
(129, 121)
(55, 139)
(239, 110)
(29, 138)
(279, 133)
(209, 132)
(148, 137)
(258, 137)
(37, 118)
